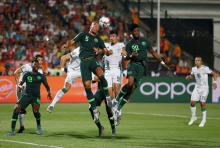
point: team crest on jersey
(39, 77)
(96, 40)
(86, 38)
(29, 79)
(143, 43)
(135, 48)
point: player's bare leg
(204, 112)
(58, 96)
(193, 113)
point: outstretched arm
(157, 56)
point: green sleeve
(128, 48)
(101, 44)
(24, 78)
(78, 37)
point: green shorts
(136, 70)
(27, 100)
(87, 67)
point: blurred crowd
(28, 28)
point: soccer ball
(104, 22)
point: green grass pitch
(143, 125)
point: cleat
(11, 133)
(50, 108)
(21, 130)
(39, 131)
(96, 115)
(192, 120)
(101, 131)
(113, 132)
(202, 124)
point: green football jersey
(140, 46)
(87, 42)
(33, 82)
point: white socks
(21, 119)
(58, 96)
(204, 116)
(193, 111)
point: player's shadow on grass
(89, 135)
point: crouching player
(201, 90)
(31, 96)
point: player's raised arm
(17, 74)
(157, 56)
(65, 58)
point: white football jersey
(201, 75)
(74, 63)
(113, 60)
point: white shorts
(113, 76)
(200, 94)
(72, 75)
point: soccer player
(31, 96)
(135, 51)
(73, 72)
(113, 71)
(99, 98)
(200, 93)
(19, 73)
(90, 46)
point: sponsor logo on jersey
(143, 43)
(96, 40)
(6, 88)
(86, 38)
(39, 77)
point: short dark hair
(38, 56)
(34, 61)
(133, 26)
(113, 32)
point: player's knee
(87, 84)
(17, 108)
(64, 90)
(37, 115)
(67, 87)
(193, 104)
(35, 108)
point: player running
(31, 96)
(200, 93)
(113, 72)
(73, 72)
(90, 46)
(19, 73)
(135, 51)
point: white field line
(165, 115)
(29, 143)
(157, 114)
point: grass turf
(143, 125)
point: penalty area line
(29, 143)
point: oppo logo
(6, 88)
(163, 88)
